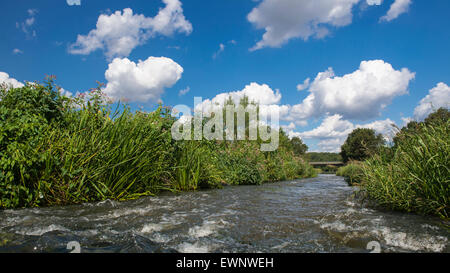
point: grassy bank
(352, 172)
(413, 175)
(56, 150)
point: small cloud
(221, 49)
(374, 2)
(304, 85)
(27, 25)
(174, 47)
(74, 2)
(397, 8)
(17, 51)
(184, 91)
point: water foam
(424, 242)
(192, 248)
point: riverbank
(414, 174)
(58, 150)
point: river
(309, 215)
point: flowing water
(310, 215)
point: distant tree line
(323, 157)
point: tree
(298, 146)
(440, 116)
(361, 144)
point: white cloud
(74, 2)
(260, 93)
(119, 33)
(221, 49)
(333, 131)
(397, 8)
(383, 127)
(359, 95)
(374, 2)
(266, 97)
(304, 85)
(5, 79)
(406, 121)
(144, 81)
(64, 92)
(17, 51)
(27, 25)
(184, 91)
(331, 127)
(438, 97)
(283, 20)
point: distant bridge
(321, 164)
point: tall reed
(417, 179)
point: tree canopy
(361, 144)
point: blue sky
(389, 58)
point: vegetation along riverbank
(57, 150)
(412, 175)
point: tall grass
(58, 151)
(352, 172)
(417, 178)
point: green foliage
(323, 157)
(298, 147)
(417, 178)
(25, 117)
(57, 150)
(361, 144)
(352, 172)
(196, 166)
(441, 116)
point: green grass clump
(417, 178)
(352, 172)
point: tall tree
(361, 144)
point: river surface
(309, 215)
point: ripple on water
(312, 215)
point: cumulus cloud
(283, 20)
(260, 93)
(267, 98)
(74, 2)
(397, 8)
(334, 130)
(331, 127)
(5, 79)
(119, 33)
(438, 97)
(143, 81)
(359, 95)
